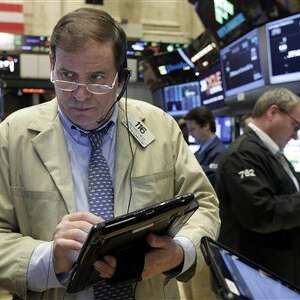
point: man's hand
(165, 255)
(106, 267)
(69, 236)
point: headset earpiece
(124, 72)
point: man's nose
(81, 93)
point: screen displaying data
(211, 87)
(283, 38)
(9, 66)
(224, 128)
(180, 98)
(253, 283)
(241, 64)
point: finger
(66, 244)
(82, 225)
(112, 261)
(74, 235)
(83, 216)
(105, 270)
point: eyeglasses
(94, 88)
(297, 126)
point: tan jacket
(36, 188)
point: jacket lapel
(51, 147)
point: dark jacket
(259, 207)
(209, 158)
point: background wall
(153, 20)
(150, 20)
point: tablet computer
(236, 277)
(127, 231)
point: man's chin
(85, 125)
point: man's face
(286, 126)
(92, 64)
(199, 133)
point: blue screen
(179, 99)
(224, 129)
(255, 284)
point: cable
(130, 172)
(132, 154)
(123, 90)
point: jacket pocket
(153, 188)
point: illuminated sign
(223, 8)
(211, 87)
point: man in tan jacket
(44, 158)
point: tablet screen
(255, 283)
(247, 280)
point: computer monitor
(224, 128)
(283, 46)
(291, 152)
(179, 99)
(241, 64)
(170, 68)
(9, 66)
(211, 87)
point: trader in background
(70, 163)
(201, 125)
(258, 188)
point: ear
(272, 111)
(206, 126)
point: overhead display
(241, 64)
(283, 38)
(229, 19)
(224, 128)
(180, 98)
(9, 66)
(211, 87)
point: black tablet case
(128, 231)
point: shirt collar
(265, 138)
(80, 135)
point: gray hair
(282, 97)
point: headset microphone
(127, 74)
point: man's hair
(282, 97)
(74, 30)
(202, 116)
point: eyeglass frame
(77, 84)
(297, 127)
